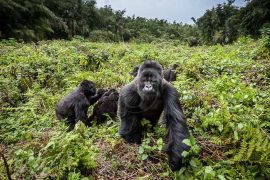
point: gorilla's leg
(130, 128)
(129, 113)
(153, 119)
(70, 121)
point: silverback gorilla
(147, 96)
(74, 106)
(106, 105)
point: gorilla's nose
(148, 87)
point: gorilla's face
(149, 81)
(91, 91)
(88, 87)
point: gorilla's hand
(101, 91)
(92, 100)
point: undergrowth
(224, 91)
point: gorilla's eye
(144, 78)
(149, 77)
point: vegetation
(225, 23)
(223, 85)
(33, 20)
(224, 91)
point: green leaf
(141, 150)
(240, 125)
(160, 141)
(187, 142)
(185, 153)
(144, 157)
(221, 177)
(193, 163)
(236, 137)
(182, 170)
(50, 144)
(209, 171)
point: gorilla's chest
(150, 107)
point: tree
(25, 19)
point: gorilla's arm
(93, 99)
(128, 108)
(176, 125)
(166, 74)
(81, 110)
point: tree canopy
(33, 20)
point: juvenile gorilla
(147, 96)
(170, 74)
(106, 105)
(74, 106)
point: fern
(255, 147)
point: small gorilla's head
(135, 71)
(88, 87)
(149, 77)
(174, 66)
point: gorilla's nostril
(148, 86)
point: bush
(102, 36)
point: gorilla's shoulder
(168, 87)
(166, 84)
(129, 95)
(130, 88)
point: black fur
(74, 106)
(135, 71)
(168, 74)
(147, 96)
(106, 105)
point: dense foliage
(224, 91)
(33, 20)
(225, 23)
